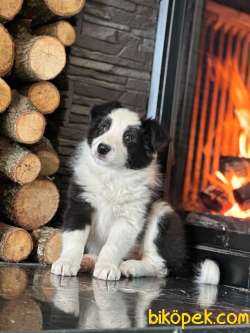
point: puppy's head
(118, 138)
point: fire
(236, 211)
(240, 96)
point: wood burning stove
(205, 104)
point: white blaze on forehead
(122, 118)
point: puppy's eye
(130, 138)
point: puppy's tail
(207, 272)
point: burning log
(49, 159)
(43, 95)
(44, 10)
(22, 122)
(5, 95)
(31, 205)
(235, 167)
(13, 282)
(15, 243)
(9, 9)
(17, 162)
(6, 51)
(38, 57)
(62, 30)
(242, 196)
(48, 244)
(215, 199)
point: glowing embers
(229, 189)
(237, 189)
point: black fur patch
(138, 157)
(98, 129)
(155, 137)
(78, 212)
(171, 243)
(143, 142)
(99, 122)
(102, 110)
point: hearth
(205, 105)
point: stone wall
(111, 60)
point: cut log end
(5, 95)
(65, 8)
(6, 50)
(35, 204)
(49, 163)
(62, 30)
(18, 163)
(66, 33)
(22, 122)
(27, 169)
(16, 243)
(44, 96)
(47, 58)
(30, 127)
(53, 248)
(48, 244)
(9, 9)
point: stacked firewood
(32, 51)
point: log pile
(32, 52)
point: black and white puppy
(113, 210)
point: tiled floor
(31, 298)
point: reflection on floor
(31, 298)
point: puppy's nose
(103, 149)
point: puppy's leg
(76, 228)
(163, 247)
(121, 239)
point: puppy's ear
(102, 110)
(155, 137)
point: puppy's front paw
(130, 268)
(107, 272)
(65, 267)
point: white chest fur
(115, 194)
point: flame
(235, 182)
(240, 96)
(221, 177)
(236, 211)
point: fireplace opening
(217, 170)
(205, 106)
